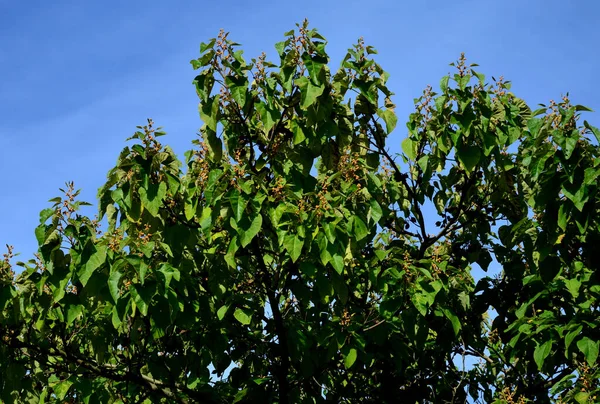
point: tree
(293, 261)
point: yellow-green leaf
(244, 316)
(409, 148)
(390, 119)
(61, 388)
(350, 358)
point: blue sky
(78, 76)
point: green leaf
(570, 337)
(142, 297)
(222, 311)
(577, 194)
(298, 132)
(40, 234)
(204, 83)
(269, 117)
(167, 272)
(541, 352)
(375, 212)
(420, 302)
(309, 92)
(350, 358)
(456, 326)
(73, 312)
(240, 395)
(280, 47)
(238, 87)
(238, 204)
(390, 119)
(247, 234)
(469, 156)
(562, 217)
(205, 220)
(582, 397)
(153, 196)
(340, 287)
(589, 348)
(314, 65)
(215, 145)
(113, 285)
(209, 112)
(573, 287)
(244, 316)
(360, 229)
(231, 250)
(329, 229)
(444, 83)
(422, 163)
(96, 259)
(61, 389)
(591, 175)
(409, 148)
(46, 214)
(293, 244)
(569, 147)
(337, 261)
(368, 90)
(205, 46)
(189, 209)
(593, 129)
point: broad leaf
(96, 259)
(244, 316)
(248, 233)
(350, 358)
(293, 245)
(589, 348)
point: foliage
(292, 260)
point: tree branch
(111, 372)
(284, 366)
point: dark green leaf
(248, 233)
(142, 296)
(73, 312)
(113, 285)
(469, 156)
(541, 352)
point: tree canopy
(291, 258)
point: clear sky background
(76, 77)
